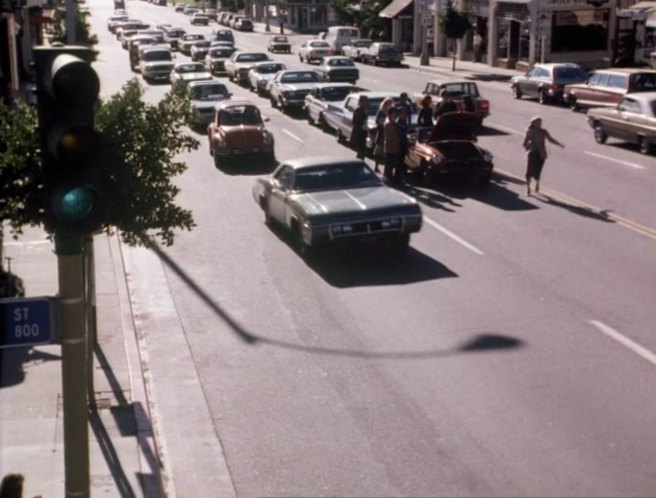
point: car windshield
(457, 89)
(570, 73)
(240, 115)
(280, 39)
(202, 44)
(209, 92)
(643, 82)
(347, 175)
(190, 68)
(269, 68)
(223, 36)
(163, 55)
(252, 57)
(319, 44)
(299, 77)
(388, 49)
(225, 53)
(335, 94)
(340, 62)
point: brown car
(455, 90)
(238, 131)
(606, 87)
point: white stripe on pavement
(453, 236)
(626, 163)
(503, 128)
(625, 341)
(286, 131)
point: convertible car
(449, 150)
(324, 201)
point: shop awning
(394, 9)
(640, 11)
(651, 20)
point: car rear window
(641, 82)
(570, 73)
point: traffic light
(71, 147)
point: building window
(579, 30)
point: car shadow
(429, 197)
(247, 167)
(489, 77)
(488, 131)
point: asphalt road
(511, 353)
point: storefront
(401, 13)
(637, 33)
(581, 31)
(308, 16)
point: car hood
(244, 135)
(207, 104)
(455, 126)
(299, 86)
(195, 76)
(353, 200)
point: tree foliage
(141, 143)
(83, 35)
(364, 15)
(454, 24)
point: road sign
(26, 321)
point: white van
(338, 36)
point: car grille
(218, 66)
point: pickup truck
(355, 48)
(455, 90)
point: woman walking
(381, 116)
(536, 147)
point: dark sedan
(449, 150)
(323, 201)
(338, 68)
(632, 120)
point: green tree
(364, 15)
(454, 24)
(83, 35)
(141, 141)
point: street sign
(26, 321)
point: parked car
(238, 132)
(338, 68)
(382, 53)
(338, 116)
(289, 88)
(156, 63)
(133, 48)
(115, 19)
(326, 202)
(199, 18)
(546, 82)
(179, 8)
(124, 36)
(279, 43)
(239, 63)
(199, 49)
(633, 120)
(606, 87)
(244, 24)
(171, 34)
(321, 95)
(261, 74)
(313, 51)
(212, 14)
(449, 150)
(187, 40)
(223, 35)
(190, 10)
(204, 95)
(355, 48)
(185, 72)
(456, 91)
(216, 58)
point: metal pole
(267, 26)
(90, 314)
(70, 21)
(543, 47)
(74, 373)
(424, 59)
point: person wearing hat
(535, 144)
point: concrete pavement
(152, 434)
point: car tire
(300, 58)
(274, 103)
(217, 163)
(303, 249)
(341, 139)
(644, 145)
(426, 174)
(516, 92)
(542, 97)
(311, 120)
(600, 134)
(573, 104)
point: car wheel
(542, 97)
(300, 58)
(645, 145)
(340, 137)
(426, 174)
(599, 134)
(516, 92)
(268, 220)
(274, 102)
(573, 104)
(216, 161)
(303, 249)
(311, 120)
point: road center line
(625, 163)
(625, 341)
(453, 236)
(504, 128)
(286, 131)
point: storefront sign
(573, 3)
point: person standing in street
(403, 125)
(478, 47)
(425, 117)
(392, 144)
(381, 116)
(359, 130)
(535, 144)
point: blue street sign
(26, 321)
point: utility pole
(267, 26)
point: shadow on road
(13, 361)
(586, 212)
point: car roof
(235, 102)
(333, 57)
(626, 70)
(319, 161)
(213, 81)
(556, 64)
(328, 84)
(646, 96)
(375, 95)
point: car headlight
(345, 228)
(221, 143)
(487, 156)
(391, 223)
(268, 138)
(437, 160)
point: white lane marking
(626, 163)
(452, 235)
(625, 341)
(286, 131)
(504, 128)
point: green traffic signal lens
(75, 205)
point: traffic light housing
(71, 147)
